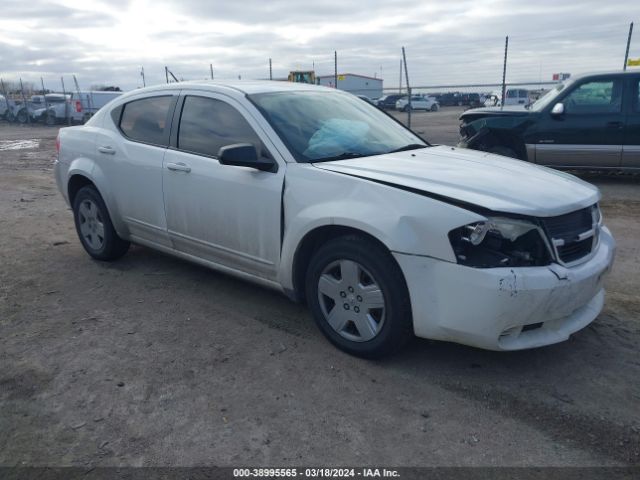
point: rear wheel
(94, 227)
(22, 116)
(358, 297)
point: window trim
(119, 112)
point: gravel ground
(154, 361)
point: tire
(357, 283)
(434, 107)
(22, 116)
(405, 108)
(94, 227)
(50, 118)
(504, 151)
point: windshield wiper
(342, 156)
(411, 146)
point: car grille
(572, 235)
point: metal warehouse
(354, 83)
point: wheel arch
(311, 242)
(494, 137)
(78, 178)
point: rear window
(145, 120)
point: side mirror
(558, 109)
(244, 155)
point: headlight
(500, 242)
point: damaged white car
(324, 197)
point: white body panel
(251, 223)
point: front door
(228, 215)
(590, 131)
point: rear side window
(206, 125)
(145, 120)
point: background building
(353, 83)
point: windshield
(548, 97)
(329, 125)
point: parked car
(4, 107)
(308, 190)
(388, 102)
(587, 122)
(472, 99)
(366, 99)
(418, 102)
(451, 99)
(80, 106)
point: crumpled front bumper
(505, 308)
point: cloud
(447, 42)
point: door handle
(178, 167)
(107, 149)
(614, 125)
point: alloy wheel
(351, 301)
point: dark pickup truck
(590, 122)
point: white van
(515, 96)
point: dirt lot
(154, 361)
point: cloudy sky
(447, 42)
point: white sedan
(418, 102)
(317, 194)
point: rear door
(590, 131)
(225, 214)
(129, 152)
(631, 146)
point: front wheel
(358, 297)
(50, 118)
(405, 108)
(434, 107)
(94, 227)
(504, 151)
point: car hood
(509, 110)
(458, 175)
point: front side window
(207, 124)
(602, 96)
(145, 120)
(328, 125)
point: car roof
(604, 73)
(248, 87)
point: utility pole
(406, 74)
(166, 73)
(400, 83)
(44, 97)
(211, 70)
(24, 102)
(144, 83)
(626, 55)
(335, 68)
(270, 70)
(504, 71)
(66, 103)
